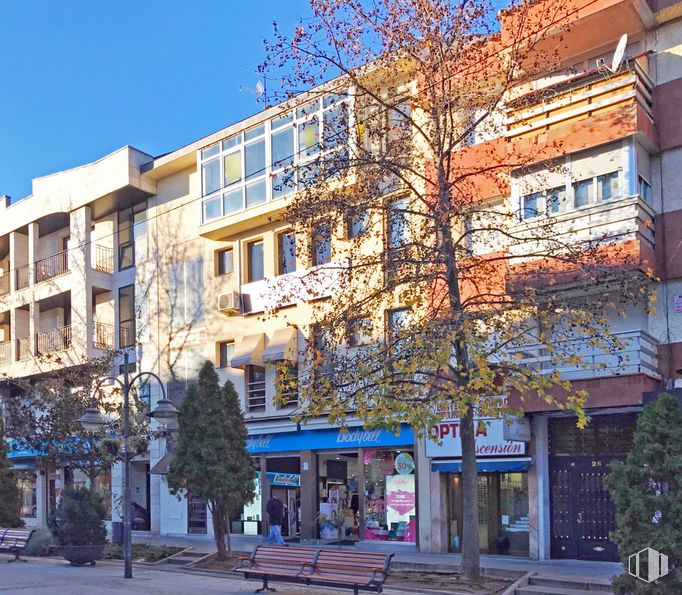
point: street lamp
(92, 420)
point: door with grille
(582, 512)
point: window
(132, 229)
(225, 261)
(126, 316)
(358, 224)
(359, 332)
(255, 388)
(556, 200)
(399, 232)
(397, 321)
(644, 189)
(608, 186)
(185, 284)
(286, 253)
(268, 161)
(322, 244)
(287, 377)
(255, 265)
(531, 205)
(583, 193)
(225, 353)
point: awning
(249, 351)
(485, 465)
(161, 466)
(282, 346)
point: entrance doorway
(503, 523)
(339, 497)
(284, 476)
(582, 512)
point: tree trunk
(471, 562)
(229, 538)
(219, 515)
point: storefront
(503, 499)
(337, 487)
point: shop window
(225, 260)
(27, 487)
(225, 353)
(102, 486)
(255, 388)
(390, 500)
(286, 253)
(254, 261)
(339, 496)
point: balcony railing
(104, 259)
(58, 339)
(104, 336)
(52, 266)
(4, 284)
(24, 349)
(637, 356)
(23, 274)
(255, 389)
(5, 353)
(126, 333)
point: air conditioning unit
(229, 303)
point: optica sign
(490, 440)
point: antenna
(618, 56)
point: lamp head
(92, 420)
(164, 412)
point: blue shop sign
(328, 438)
(284, 479)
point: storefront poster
(400, 498)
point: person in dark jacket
(275, 510)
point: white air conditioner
(229, 303)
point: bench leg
(265, 586)
(16, 558)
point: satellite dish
(619, 54)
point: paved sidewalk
(510, 567)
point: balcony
(58, 339)
(52, 266)
(104, 259)
(5, 353)
(586, 110)
(638, 356)
(104, 335)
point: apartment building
(181, 255)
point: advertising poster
(400, 498)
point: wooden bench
(14, 541)
(343, 569)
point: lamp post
(92, 420)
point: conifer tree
(647, 491)
(211, 460)
(10, 497)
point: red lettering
(444, 430)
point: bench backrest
(267, 557)
(16, 537)
(355, 565)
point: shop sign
(328, 438)
(404, 463)
(490, 440)
(516, 428)
(284, 479)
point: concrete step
(569, 583)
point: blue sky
(81, 79)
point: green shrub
(79, 518)
(145, 551)
(41, 542)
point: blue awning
(484, 465)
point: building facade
(180, 255)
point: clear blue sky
(80, 79)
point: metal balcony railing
(58, 339)
(24, 349)
(4, 284)
(126, 333)
(22, 276)
(52, 266)
(5, 353)
(255, 390)
(104, 335)
(104, 259)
